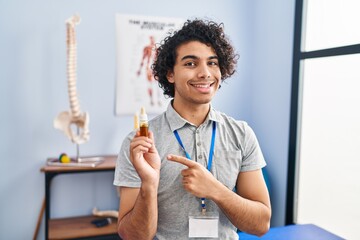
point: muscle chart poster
(137, 38)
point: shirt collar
(176, 121)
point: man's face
(196, 75)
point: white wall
(33, 92)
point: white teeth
(201, 86)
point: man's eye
(212, 63)
(190, 64)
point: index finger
(181, 160)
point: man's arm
(138, 210)
(249, 209)
(137, 213)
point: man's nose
(204, 71)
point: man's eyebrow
(189, 57)
(195, 57)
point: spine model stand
(66, 119)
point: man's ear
(170, 76)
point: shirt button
(200, 156)
(197, 131)
(198, 144)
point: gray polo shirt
(236, 150)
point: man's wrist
(149, 188)
(219, 192)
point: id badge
(204, 225)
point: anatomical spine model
(65, 120)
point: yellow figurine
(64, 158)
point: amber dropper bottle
(144, 125)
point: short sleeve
(253, 158)
(125, 173)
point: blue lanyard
(211, 153)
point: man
(166, 189)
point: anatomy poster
(137, 37)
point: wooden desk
(76, 227)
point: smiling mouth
(202, 85)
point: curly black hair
(207, 32)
